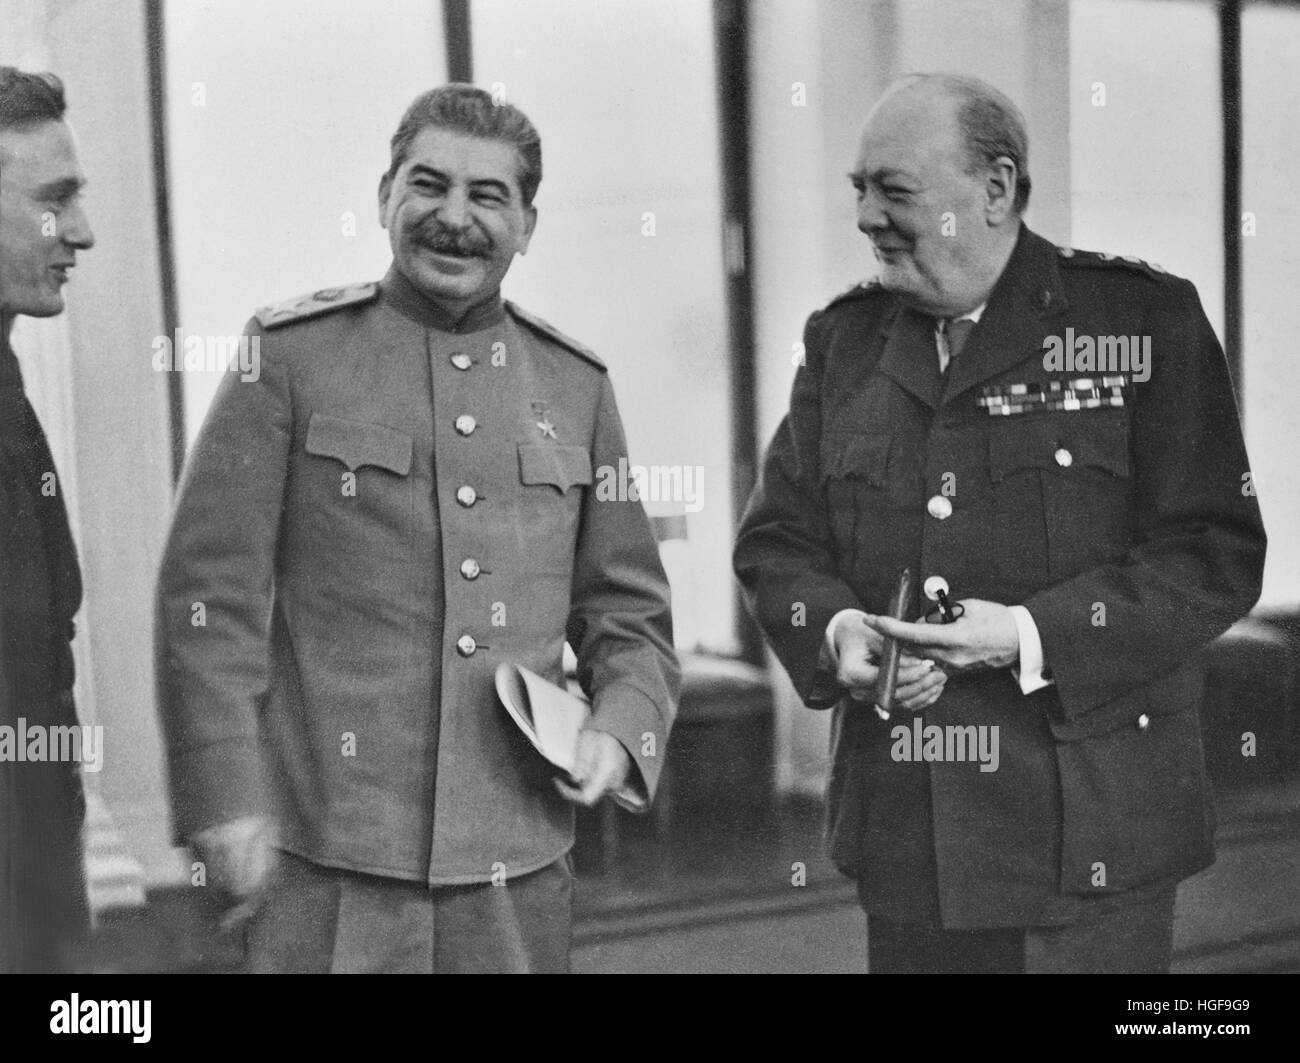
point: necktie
(957, 333)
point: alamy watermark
(951, 744)
(1072, 353)
(37, 743)
(653, 483)
(211, 354)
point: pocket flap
(559, 466)
(1060, 442)
(358, 443)
(1179, 691)
(860, 456)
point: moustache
(444, 242)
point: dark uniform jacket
(1120, 514)
(363, 533)
(43, 912)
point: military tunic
(394, 506)
(1117, 510)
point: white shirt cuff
(1029, 673)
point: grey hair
(992, 127)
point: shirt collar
(973, 315)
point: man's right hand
(238, 857)
(858, 648)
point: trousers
(322, 920)
(1133, 938)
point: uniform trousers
(322, 920)
(1131, 938)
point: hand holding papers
(551, 719)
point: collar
(1028, 294)
(974, 315)
(11, 375)
(409, 300)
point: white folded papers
(550, 718)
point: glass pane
(1146, 137)
(627, 256)
(1270, 252)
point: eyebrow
(478, 182)
(885, 173)
(65, 186)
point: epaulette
(302, 307)
(1076, 257)
(871, 286)
(548, 330)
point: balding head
(989, 124)
(940, 179)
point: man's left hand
(601, 765)
(984, 636)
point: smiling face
(941, 234)
(42, 223)
(455, 216)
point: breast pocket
(1062, 489)
(358, 467)
(552, 482)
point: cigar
(887, 678)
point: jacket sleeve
(785, 555)
(620, 620)
(212, 629)
(1197, 559)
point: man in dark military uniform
(973, 416)
(44, 917)
(401, 500)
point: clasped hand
(984, 637)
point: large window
(1270, 254)
(278, 123)
(1146, 137)
(628, 251)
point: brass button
(465, 645)
(1064, 458)
(1144, 721)
(466, 496)
(461, 361)
(465, 424)
(939, 508)
(469, 568)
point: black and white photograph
(652, 487)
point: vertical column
(123, 454)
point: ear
(530, 223)
(385, 187)
(1000, 188)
